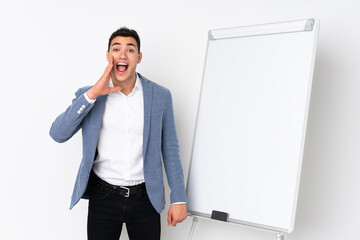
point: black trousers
(108, 211)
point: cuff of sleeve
(175, 203)
(91, 101)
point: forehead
(123, 41)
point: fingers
(109, 67)
(105, 78)
(112, 59)
(176, 214)
(175, 220)
(115, 89)
(169, 219)
(111, 62)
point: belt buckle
(128, 191)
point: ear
(140, 58)
(107, 56)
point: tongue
(122, 68)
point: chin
(123, 77)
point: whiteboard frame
(311, 24)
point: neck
(127, 85)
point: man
(127, 123)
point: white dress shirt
(120, 160)
(120, 145)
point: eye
(131, 50)
(115, 50)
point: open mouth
(122, 67)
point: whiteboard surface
(251, 125)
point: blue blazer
(159, 139)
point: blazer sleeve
(171, 156)
(69, 122)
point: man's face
(126, 56)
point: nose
(122, 54)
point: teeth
(122, 64)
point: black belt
(125, 191)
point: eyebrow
(128, 44)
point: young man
(127, 123)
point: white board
(251, 125)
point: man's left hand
(177, 213)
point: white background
(48, 49)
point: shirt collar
(138, 85)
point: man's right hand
(102, 86)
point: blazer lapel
(147, 94)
